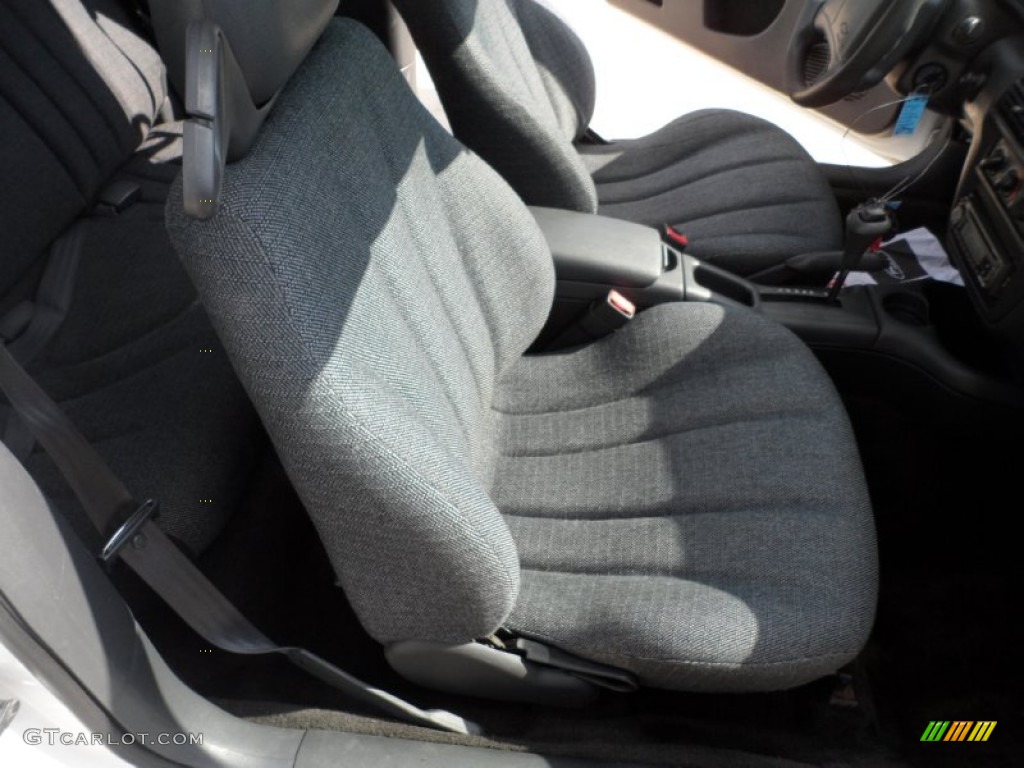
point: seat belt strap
(138, 541)
(35, 323)
(53, 294)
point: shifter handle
(866, 224)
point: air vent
(815, 64)
(1011, 108)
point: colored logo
(958, 730)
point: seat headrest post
(230, 88)
(270, 38)
(221, 120)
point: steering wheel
(865, 38)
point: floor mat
(606, 749)
(947, 638)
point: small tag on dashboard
(911, 114)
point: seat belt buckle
(607, 315)
(601, 675)
(601, 318)
(129, 529)
(116, 197)
(674, 237)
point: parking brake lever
(866, 225)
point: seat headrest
(230, 60)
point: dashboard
(986, 232)
(973, 67)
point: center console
(596, 254)
(967, 344)
(900, 328)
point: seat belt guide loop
(128, 529)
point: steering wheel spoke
(866, 39)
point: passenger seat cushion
(688, 504)
(743, 191)
(564, 64)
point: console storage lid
(602, 251)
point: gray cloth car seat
(682, 500)
(518, 87)
(135, 362)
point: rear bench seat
(134, 363)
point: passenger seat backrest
(518, 88)
(564, 64)
(78, 93)
(372, 281)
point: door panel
(754, 37)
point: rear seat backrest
(134, 362)
(78, 94)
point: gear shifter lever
(867, 224)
